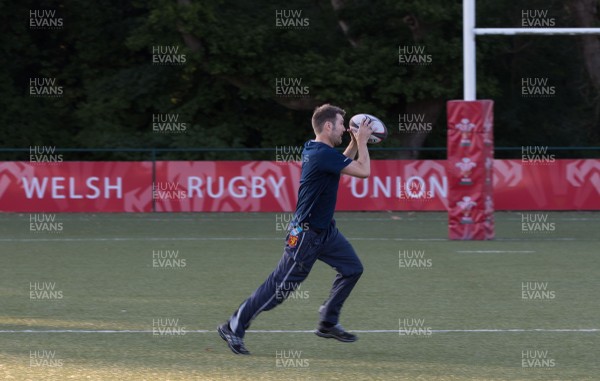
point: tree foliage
(235, 52)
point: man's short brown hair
(323, 114)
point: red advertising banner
(547, 184)
(77, 186)
(263, 186)
(470, 158)
(226, 186)
(253, 186)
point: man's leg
(339, 254)
(287, 276)
(294, 266)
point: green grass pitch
(88, 301)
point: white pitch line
(196, 239)
(495, 251)
(309, 331)
(267, 218)
(116, 239)
(540, 239)
(139, 239)
(441, 330)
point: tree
(242, 60)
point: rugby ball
(379, 130)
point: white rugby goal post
(471, 200)
(470, 31)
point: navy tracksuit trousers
(329, 246)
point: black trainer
(336, 332)
(235, 343)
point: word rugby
(236, 187)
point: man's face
(338, 130)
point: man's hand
(363, 133)
(365, 130)
(362, 167)
(352, 148)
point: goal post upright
(469, 58)
(470, 31)
(470, 144)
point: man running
(312, 233)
